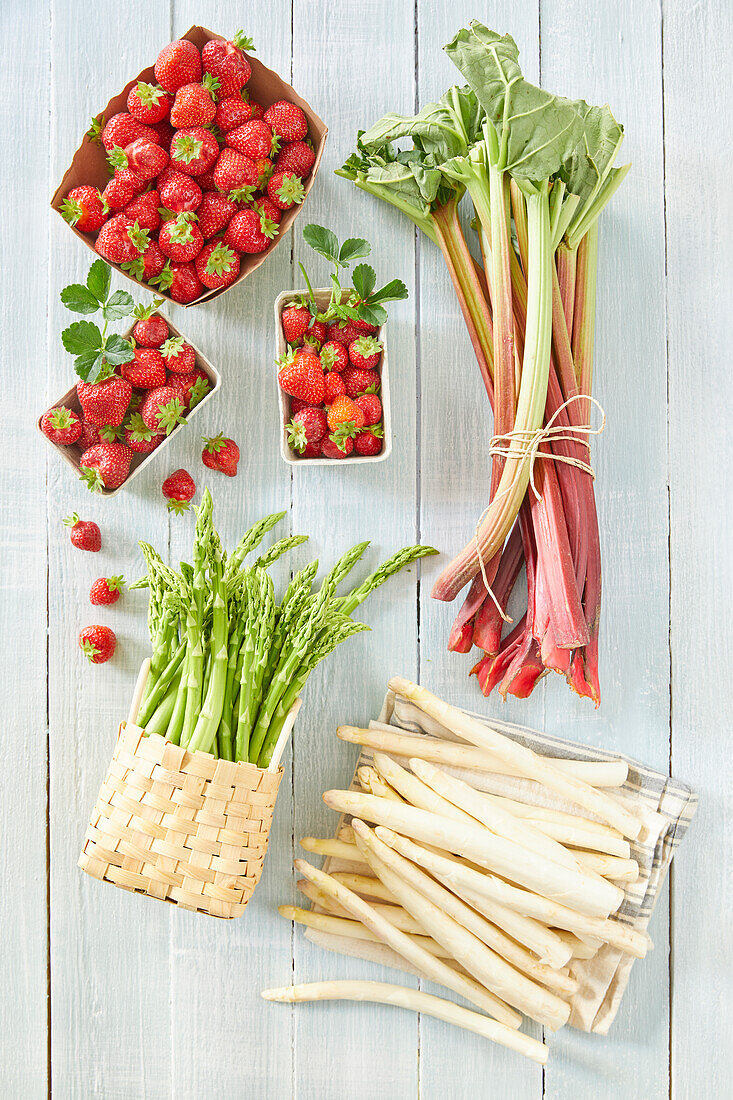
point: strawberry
(180, 240)
(89, 435)
(178, 356)
(181, 282)
(121, 189)
(139, 437)
(104, 402)
(162, 409)
(253, 138)
(334, 356)
(285, 189)
(221, 453)
(307, 426)
(178, 191)
(369, 442)
(144, 210)
(191, 387)
(359, 381)
(84, 208)
(235, 174)
(97, 643)
(333, 387)
(226, 62)
(267, 208)
(331, 449)
(315, 334)
(111, 433)
(295, 320)
(365, 352)
(303, 378)
(84, 533)
(217, 265)
(177, 64)
(214, 213)
(148, 103)
(287, 120)
(250, 231)
(193, 106)
(105, 465)
(371, 406)
(194, 151)
(150, 331)
(146, 159)
(206, 181)
(350, 331)
(179, 488)
(120, 239)
(146, 371)
(148, 265)
(234, 111)
(122, 129)
(165, 133)
(296, 405)
(106, 590)
(296, 156)
(61, 425)
(345, 416)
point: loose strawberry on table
(221, 453)
(106, 590)
(84, 533)
(179, 489)
(105, 466)
(97, 643)
(61, 425)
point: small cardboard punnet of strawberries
(200, 174)
(331, 369)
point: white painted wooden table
(105, 994)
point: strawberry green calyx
(172, 348)
(136, 268)
(375, 429)
(138, 429)
(242, 194)
(221, 261)
(197, 392)
(181, 230)
(244, 42)
(117, 158)
(139, 237)
(215, 444)
(291, 189)
(178, 506)
(275, 146)
(110, 434)
(210, 83)
(170, 415)
(94, 133)
(214, 129)
(71, 211)
(62, 418)
(287, 358)
(115, 584)
(345, 431)
(296, 436)
(149, 95)
(367, 346)
(93, 479)
(167, 215)
(165, 279)
(143, 313)
(89, 650)
(186, 148)
(72, 520)
(268, 227)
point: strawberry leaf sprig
(363, 303)
(96, 353)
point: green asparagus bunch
(228, 662)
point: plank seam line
(418, 480)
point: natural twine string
(530, 443)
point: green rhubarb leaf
(118, 350)
(79, 299)
(364, 279)
(82, 337)
(121, 304)
(444, 129)
(322, 241)
(98, 280)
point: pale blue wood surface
(107, 995)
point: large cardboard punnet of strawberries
(89, 164)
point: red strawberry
(148, 103)
(150, 331)
(206, 181)
(226, 62)
(83, 208)
(221, 453)
(146, 159)
(84, 534)
(122, 129)
(350, 331)
(311, 450)
(334, 356)
(253, 138)
(105, 465)
(192, 387)
(217, 265)
(234, 111)
(106, 590)
(214, 213)
(345, 416)
(296, 405)
(359, 381)
(250, 231)
(139, 437)
(307, 426)
(89, 435)
(178, 356)
(369, 442)
(97, 643)
(267, 208)
(235, 174)
(285, 189)
(148, 265)
(165, 133)
(178, 191)
(61, 425)
(144, 210)
(371, 406)
(180, 240)
(178, 63)
(122, 188)
(104, 402)
(120, 239)
(315, 334)
(287, 120)
(194, 151)
(179, 488)
(181, 282)
(333, 387)
(162, 409)
(295, 320)
(331, 449)
(303, 378)
(365, 352)
(193, 106)
(146, 371)
(296, 156)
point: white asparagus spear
(372, 782)
(365, 885)
(611, 867)
(431, 906)
(519, 756)
(596, 897)
(417, 793)
(599, 773)
(574, 837)
(581, 949)
(428, 965)
(488, 889)
(395, 914)
(399, 996)
(546, 814)
(328, 846)
(352, 929)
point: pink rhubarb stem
(489, 623)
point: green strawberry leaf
(118, 350)
(89, 365)
(364, 280)
(393, 291)
(372, 314)
(353, 249)
(322, 241)
(121, 304)
(98, 280)
(81, 337)
(79, 299)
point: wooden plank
(23, 747)
(700, 333)
(110, 981)
(341, 505)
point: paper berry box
(73, 453)
(322, 297)
(89, 164)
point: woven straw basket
(181, 826)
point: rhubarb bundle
(538, 169)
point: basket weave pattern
(180, 826)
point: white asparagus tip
(287, 993)
(399, 683)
